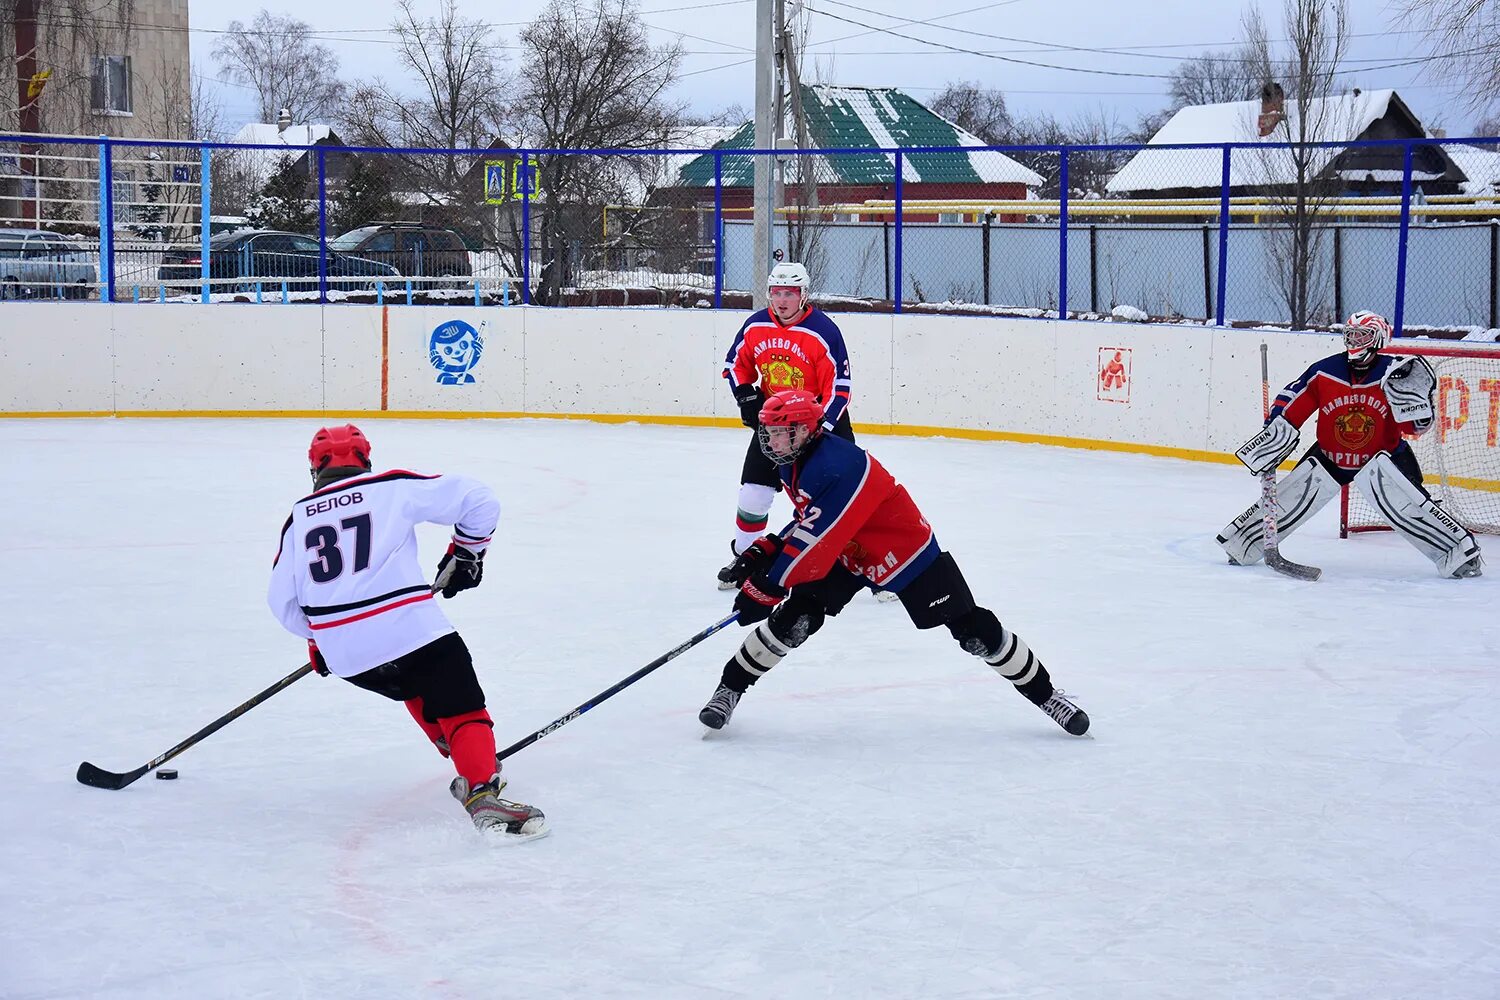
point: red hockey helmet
(789, 420)
(338, 447)
(1365, 335)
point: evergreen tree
(285, 201)
(365, 197)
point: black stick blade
(97, 777)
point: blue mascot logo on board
(454, 350)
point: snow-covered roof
(262, 162)
(865, 118)
(1341, 118)
(1481, 167)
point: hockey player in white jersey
(346, 579)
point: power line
(987, 55)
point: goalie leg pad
(1305, 491)
(1416, 518)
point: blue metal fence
(922, 228)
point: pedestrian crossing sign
(494, 182)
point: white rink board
(1191, 390)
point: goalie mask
(789, 422)
(1365, 335)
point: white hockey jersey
(346, 573)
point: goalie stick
(1269, 544)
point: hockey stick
(100, 778)
(1269, 543)
(610, 692)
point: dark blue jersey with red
(807, 353)
(1354, 418)
(850, 511)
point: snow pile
(1128, 314)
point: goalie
(1364, 403)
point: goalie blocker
(1391, 485)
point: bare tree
(460, 81)
(1464, 35)
(1216, 78)
(591, 79)
(1301, 82)
(975, 108)
(277, 56)
(1487, 127)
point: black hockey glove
(750, 399)
(466, 572)
(756, 558)
(757, 598)
(316, 658)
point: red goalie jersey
(1354, 418)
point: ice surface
(1292, 790)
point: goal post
(1460, 455)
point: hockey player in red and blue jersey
(856, 527)
(346, 579)
(1366, 403)
(790, 345)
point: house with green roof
(864, 118)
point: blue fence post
(205, 222)
(322, 225)
(104, 228)
(896, 290)
(525, 227)
(718, 230)
(1401, 246)
(1062, 236)
(1223, 277)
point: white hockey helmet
(1366, 335)
(789, 275)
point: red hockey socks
(471, 741)
(432, 729)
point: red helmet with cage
(789, 421)
(338, 447)
(1365, 335)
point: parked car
(37, 264)
(239, 259)
(411, 248)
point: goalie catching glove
(1266, 450)
(1408, 388)
(459, 569)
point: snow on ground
(1291, 789)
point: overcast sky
(1141, 37)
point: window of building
(111, 85)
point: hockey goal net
(1459, 456)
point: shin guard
(752, 514)
(433, 731)
(471, 741)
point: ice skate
(726, 575)
(1074, 720)
(511, 821)
(719, 708)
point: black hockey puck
(166, 774)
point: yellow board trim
(909, 430)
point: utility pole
(767, 100)
(29, 103)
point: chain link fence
(1238, 235)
